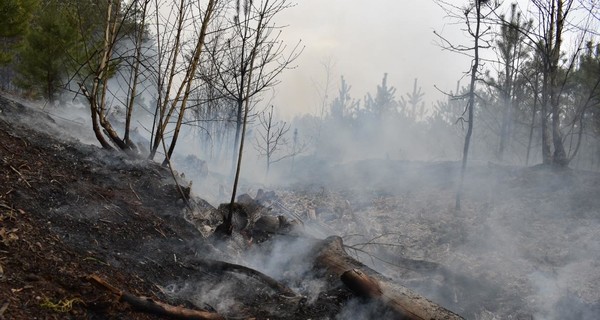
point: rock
(270, 224)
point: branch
(148, 305)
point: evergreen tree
(49, 48)
(512, 52)
(15, 16)
(413, 106)
(384, 103)
(341, 104)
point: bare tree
(323, 91)
(173, 77)
(271, 140)
(474, 19)
(249, 57)
(554, 20)
(102, 66)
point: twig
(20, 175)
(135, 193)
(160, 231)
(170, 166)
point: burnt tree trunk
(367, 283)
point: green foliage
(384, 103)
(49, 51)
(65, 37)
(15, 16)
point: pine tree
(15, 16)
(48, 50)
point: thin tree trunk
(228, 221)
(190, 78)
(239, 122)
(560, 156)
(161, 107)
(136, 71)
(531, 127)
(470, 106)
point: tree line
(155, 64)
(527, 97)
(207, 65)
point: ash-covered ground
(524, 246)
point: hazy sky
(363, 40)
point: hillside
(69, 211)
(524, 246)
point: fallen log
(369, 284)
(151, 306)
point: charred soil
(525, 245)
(70, 210)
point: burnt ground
(70, 210)
(524, 246)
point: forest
(185, 89)
(211, 68)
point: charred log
(369, 284)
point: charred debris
(87, 233)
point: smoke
(357, 309)
(288, 260)
(525, 242)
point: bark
(148, 305)
(560, 156)
(369, 284)
(546, 151)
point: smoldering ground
(524, 244)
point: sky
(363, 40)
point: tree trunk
(560, 156)
(238, 133)
(532, 125)
(191, 72)
(369, 284)
(470, 104)
(546, 150)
